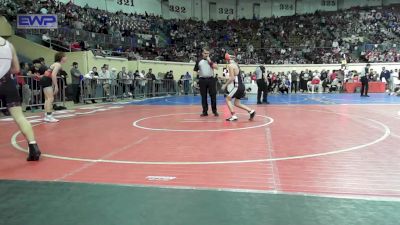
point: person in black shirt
(364, 81)
(152, 86)
(169, 82)
(294, 83)
(42, 66)
(262, 85)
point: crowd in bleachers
(308, 81)
(322, 37)
(379, 54)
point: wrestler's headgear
(229, 55)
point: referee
(364, 81)
(205, 69)
(262, 85)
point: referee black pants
(208, 85)
(364, 86)
(262, 89)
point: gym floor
(305, 159)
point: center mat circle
(163, 119)
(126, 146)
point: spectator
(76, 77)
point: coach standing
(205, 69)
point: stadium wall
(224, 9)
(388, 2)
(128, 6)
(5, 27)
(345, 4)
(32, 50)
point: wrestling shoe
(50, 119)
(232, 118)
(252, 114)
(34, 153)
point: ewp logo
(37, 21)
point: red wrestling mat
(309, 149)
